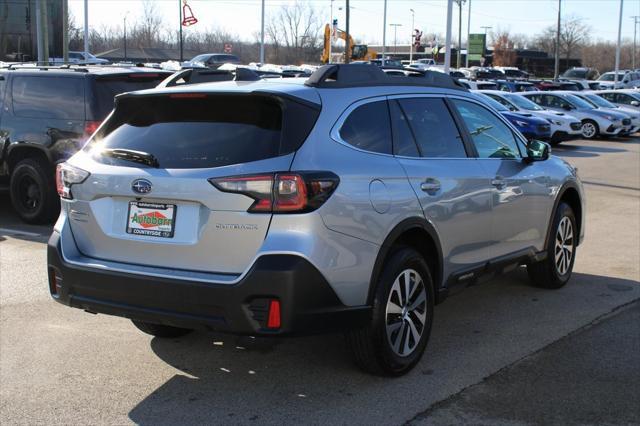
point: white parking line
(7, 231)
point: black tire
(33, 191)
(159, 330)
(546, 273)
(593, 135)
(370, 346)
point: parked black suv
(46, 115)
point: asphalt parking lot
(502, 352)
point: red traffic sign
(228, 48)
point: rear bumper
(308, 303)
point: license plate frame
(144, 208)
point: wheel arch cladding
(17, 153)
(572, 198)
(420, 235)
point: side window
(433, 128)
(501, 100)
(622, 99)
(536, 98)
(491, 137)
(368, 128)
(608, 96)
(48, 97)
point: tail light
(282, 192)
(90, 127)
(66, 176)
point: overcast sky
(242, 17)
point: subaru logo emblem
(141, 186)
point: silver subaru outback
(352, 201)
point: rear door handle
(430, 186)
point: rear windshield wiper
(131, 155)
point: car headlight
(521, 123)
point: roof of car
(80, 69)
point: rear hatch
(157, 207)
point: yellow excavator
(357, 52)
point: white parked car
(625, 97)
(604, 104)
(478, 85)
(595, 122)
(563, 126)
(626, 80)
(80, 58)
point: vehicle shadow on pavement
(224, 379)
(584, 151)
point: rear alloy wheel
(555, 270)
(395, 339)
(160, 330)
(33, 192)
(589, 129)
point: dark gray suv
(350, 201)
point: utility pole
(460, 3)
(636, 21)
(44, 21)
(39, 32)
(384, 30)
(347, 49)
(180, 31)
(124, 27)
(615, 78)
(262, 36)
(395, 38)
(413, 26)
(466, 62)
(86, 29)
(447, 49)
(330, 32)
(65, 31)
(556, 67)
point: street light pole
(615, 78)
(460, 2)
(180, 32)
(348, 48)
(485, 29)
(395, 38)
(447, 48)
(262, 35)
(466, 62)
(556, 67)
(413, 18)
(635, 28)
(86, 29)
(384, 30)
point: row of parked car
(47, 114)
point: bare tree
(295, 28)
(504, 53)
(573, 35)
(149, 26)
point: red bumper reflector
(274, 314)
(54, 282)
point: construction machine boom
(357, 52)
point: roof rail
(339, 76)
(32, 66)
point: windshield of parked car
(598, 101)
(495, 104)
(523, 103)
(578, 102)
(609, 77)
(575, 73)
(200, 58)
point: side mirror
(635, 103)
(537, 151)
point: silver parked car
(624, 97)
(605, 105)
(595, 122)
(350, 201)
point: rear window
(204, 132)
(48, 97)
(106, 88)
